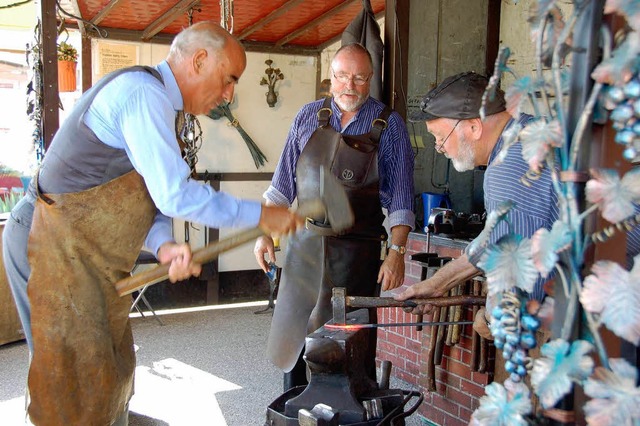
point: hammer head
(339, 304)
(332, 203)
(336, 203)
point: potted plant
(67, 61)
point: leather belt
(322, 229)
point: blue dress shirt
(136, 112)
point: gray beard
(466, 157)
(350, 106)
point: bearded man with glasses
(366, 146)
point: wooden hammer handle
(208, 253)
(431, 354)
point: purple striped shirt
(395, 157)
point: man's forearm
(453, 273)
(399, 235)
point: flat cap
(458, 97)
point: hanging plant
(67, 61)
(67, 52)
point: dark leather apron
(80, 244)
(316, 261)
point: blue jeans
(14, 251)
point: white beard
(466, 157)
(349, 106)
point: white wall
(268, 127)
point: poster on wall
(113, 56)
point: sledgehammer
(332, 202)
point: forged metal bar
(340, 302)
(390, 302)
(393, 324)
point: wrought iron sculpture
(609, 295)
(223, 110)
(273, 75)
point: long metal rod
(389, 302)
(398, 324)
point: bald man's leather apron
(80, 245)
(318, 260)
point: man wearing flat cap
(451, 112)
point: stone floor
(204, 367)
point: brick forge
(458, 388)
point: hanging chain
(190, 134)
(35, 90)
(226, 15)
(190, 15)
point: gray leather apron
(316, 261)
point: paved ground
(201, 368)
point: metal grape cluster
(624, 104)
(514, 331)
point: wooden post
(50, 113)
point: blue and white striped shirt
(395, 157)
(536, 205)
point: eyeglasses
(358, 80)
(439, 147)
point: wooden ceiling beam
(250, 46)
(105, 11)
(270, 17)
(168, 17)
(314, 23)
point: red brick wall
(458, 388)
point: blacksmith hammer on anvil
(340, 302)
(332, 202)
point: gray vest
(77, 160)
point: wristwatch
(399, 249)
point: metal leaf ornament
(545, 246)
(615, 397)
(620, 67)
(508, 263)
(540, 11)
(517, 93)
(559, 366)
(493, 218)
(614, 196)
(551, 24)
(630, 9)
(503, 405)
(612, 292)
(538, 139)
